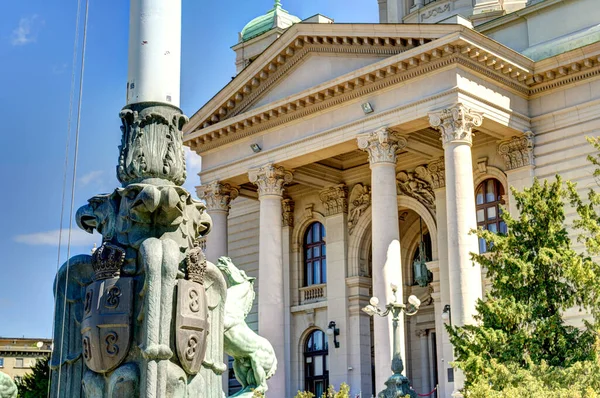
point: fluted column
(422, 335)
(270, 180)
(382, 146)
(218, 197)
(456, 124)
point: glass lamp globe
(412, 299)
(374, 301)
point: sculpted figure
(254, 357)
(8, 388)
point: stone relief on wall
(360, 200)
(417, 184)
(518, 151)
(287, 212)
(335, 199)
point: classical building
(19, 355)
(333, 140)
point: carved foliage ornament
(381, 145)
(335, 199)
(518, 151)
(437, 173)
(270, 179)
(218, 196)
(360, 200)
(456, 124)
(287, 212)
(151, 144)
(417, 184)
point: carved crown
(196, 264)
(107, 261)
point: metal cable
(73, 184)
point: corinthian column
(218, 197)
(456, 124)
(270, 180)
(382, 146)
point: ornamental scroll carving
(270, 179)
(435, 11)
(417, 184)
(381, 145)
(287, 212)
(335, 199)
(218, 196)
(437, 173)
(456, 124)
(360, 200)
(518, 151)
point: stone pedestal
(455, 125)
(382, 146)
(218, 197)
(270, 180)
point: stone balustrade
(313, 293)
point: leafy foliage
(536, 276)
(344, 392)
(35, 384)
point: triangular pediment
(314, 69)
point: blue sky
(36, 50)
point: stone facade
(382, 132)
(19, 355)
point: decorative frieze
(518, 151)
(381, 145)
(270, 179)
(335, 199)
(417, 184)
(456, 124)
(218, 196)
(360, 200)
(437, 173)
(287, 212)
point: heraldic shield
(106, 326)
(191, 324)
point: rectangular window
(19, 363)
(1, 362)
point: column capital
(456, 124)
(381, 145)
(437, 171)
(287, 212)
(270, 179)
(421, 333)
(517, 151)
(218, 196)
(335, 199)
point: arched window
(315, 263)
(488, 197)
(316, 363)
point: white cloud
(193, 161)
(90, 177)
(50, 238)
(26, 32)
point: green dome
(276, 17)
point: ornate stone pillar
(335, 200)
(456, 124)
(270, 180)
(424, 346)
(218, 197)
(287, 218)
(382, 145)
(437, 172)
(519, 164)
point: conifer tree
(35, 384)
(535, 276)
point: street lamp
(397, 385)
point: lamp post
(397, 385)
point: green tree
(35, 384)
(535, 276)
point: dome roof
(276, 17)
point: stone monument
(8, 388)
(143, 316)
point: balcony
(313, 293)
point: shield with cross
(191, 324)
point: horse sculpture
(254, 357)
